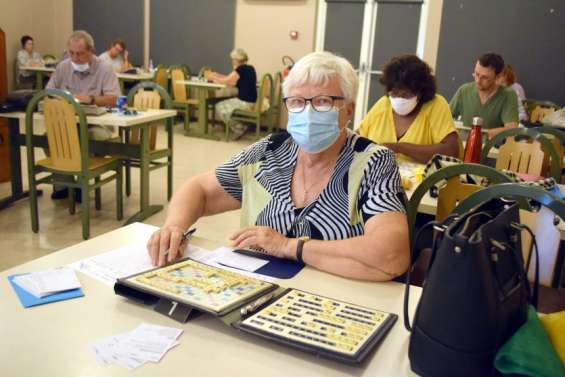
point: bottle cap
(477, 121)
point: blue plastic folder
(277, 267)
(28, 300)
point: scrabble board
(332, 328)
(198, 285)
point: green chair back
(547, 146)
(514, 191)
(494, 176)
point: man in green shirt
(497, 105)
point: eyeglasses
(319, 103)
(482, 78)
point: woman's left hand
(268, 239)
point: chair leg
(128, 169)
(258, 128)
(85, 213)
(119, 194)
(72, 203)
(33, 203)
(186, 118)
(97, 195)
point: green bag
(529, 352)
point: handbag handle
(534, 246)
(438, 226)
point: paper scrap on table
(220, 253)
(124, 261)
(146, 343)
(48, 282)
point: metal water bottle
(474, 144)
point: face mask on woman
(403, 106)
(312, 130)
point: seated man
(117, 55)
(89, 79)
(320, 193)
(411, 119)
(485, 98)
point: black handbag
(475, 295)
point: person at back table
(508, 78)
(244, 78)
(411, 119)
(485, 98)
(117, 55)
(27, 57)
(91, 80)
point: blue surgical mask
(312, 130)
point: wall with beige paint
(262, 29)
(35, 17)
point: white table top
(135, 76)
(39, 69)
(202, 84)
(109, 119)
(52, 340)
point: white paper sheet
(121, 262)
(146, 343)
(240, 261)
(47, 282)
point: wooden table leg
(202, 127)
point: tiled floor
(58, 229)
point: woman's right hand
(168, 238)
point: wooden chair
(538, 113)
(532, 104)
(276, 101)
(524, 157)
(69, 156)
(181, 99)
(450, 194)
(144, 96)
(161, 77)
(258, 114)
(558, 141)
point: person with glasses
(411, 119)
(485, 98)
(319, 194)
(27, 57)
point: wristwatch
(300, 246)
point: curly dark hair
(409, 72)
(24, 40)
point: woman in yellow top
(411, 119)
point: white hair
(318, 68)
(82, 35)
(239, 54)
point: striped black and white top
(365, 182)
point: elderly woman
(411, 119)
(320, 193)
(244, 78)
(27, 57)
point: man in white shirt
(117, 55)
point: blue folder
(27, 299)
(277, 267)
